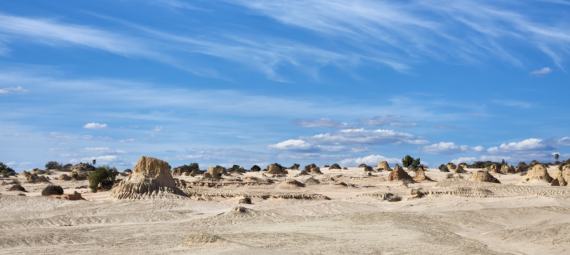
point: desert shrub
(407, 161)
(4, 167)
(295, 166)
(395, 199)
(4, 173)
(194, 166)
(102, 175)
(441, 166)
(483, 164)
(327, 166)
(52, 190)
(74, 175)
(54, 165)
(255, 168)
(362, 165)
(234, 168)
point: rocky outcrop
(508, 169)
(464, 165)
(311, 181)
(398, 174)
(82, 167)
(383, 166)
(335, 166)
(32, 178)
(421, 176)
(483, 176)
(213, 173)
(64, 177)
(451, 166)
(24, 174)
(150, 179)
(275, 169)
(537, 173)
(74, 196)
(315, 170)
(17, 187)
(495, 168)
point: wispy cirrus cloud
(321, 123)
(387, 120)
(425, 29)
(6, 91)
(362, 136)
(94, 125)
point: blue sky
(256, 82)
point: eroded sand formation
(316, 210)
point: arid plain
(329, 211)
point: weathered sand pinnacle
(538, 172)
(383, 166)
(150, 178)
(483, 176)
(398, 174)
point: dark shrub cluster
(54, 165)
(102, 175)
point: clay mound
(538, 172)
(275, 169)
(38, 171)
(464, 165)
(303, 172)
(495, 168)
(315, 170)
(82, 167)
(64, 177)
(150, 178)
(508, 169)
(421, 176)
(398, 174)
(17, 187)
(202, 239)
(312, 181)
(483, 176)
(451, 166)
(335, 166)
(74, 196)
(291, 183)
(32, 178)
(383, 166)
(212, 173)
(24, 174)
(460, 169)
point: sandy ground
(516, 218)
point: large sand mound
(150, 178)
(483, 176)
(537, 173)
(398, 174)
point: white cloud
(531, 144)
(94, 125)
(564, 141)
(127, 140)
(157, 129)
(302, 146)
(470, 160)
(371, 160)
(310, 156)
(101, 160)
(19, 89)
(321, 123)
(362, 136)
(103, 150)
(386, 120)
(19, 166)
(545, 70)
(449, 148)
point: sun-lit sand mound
(150, 178)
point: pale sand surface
(534, 221)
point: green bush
(195, 166)
(295, 166)
(4, 173)
(407, 161)
(255, 168)
(54, 165)
(100, 175)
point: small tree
(556, 156)
(195, 166)
(255, 168)
(416, 163)
(100, 175)
(295, 166)
(234, 168)
(407, 161)
(53, 165)
(94, 161)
